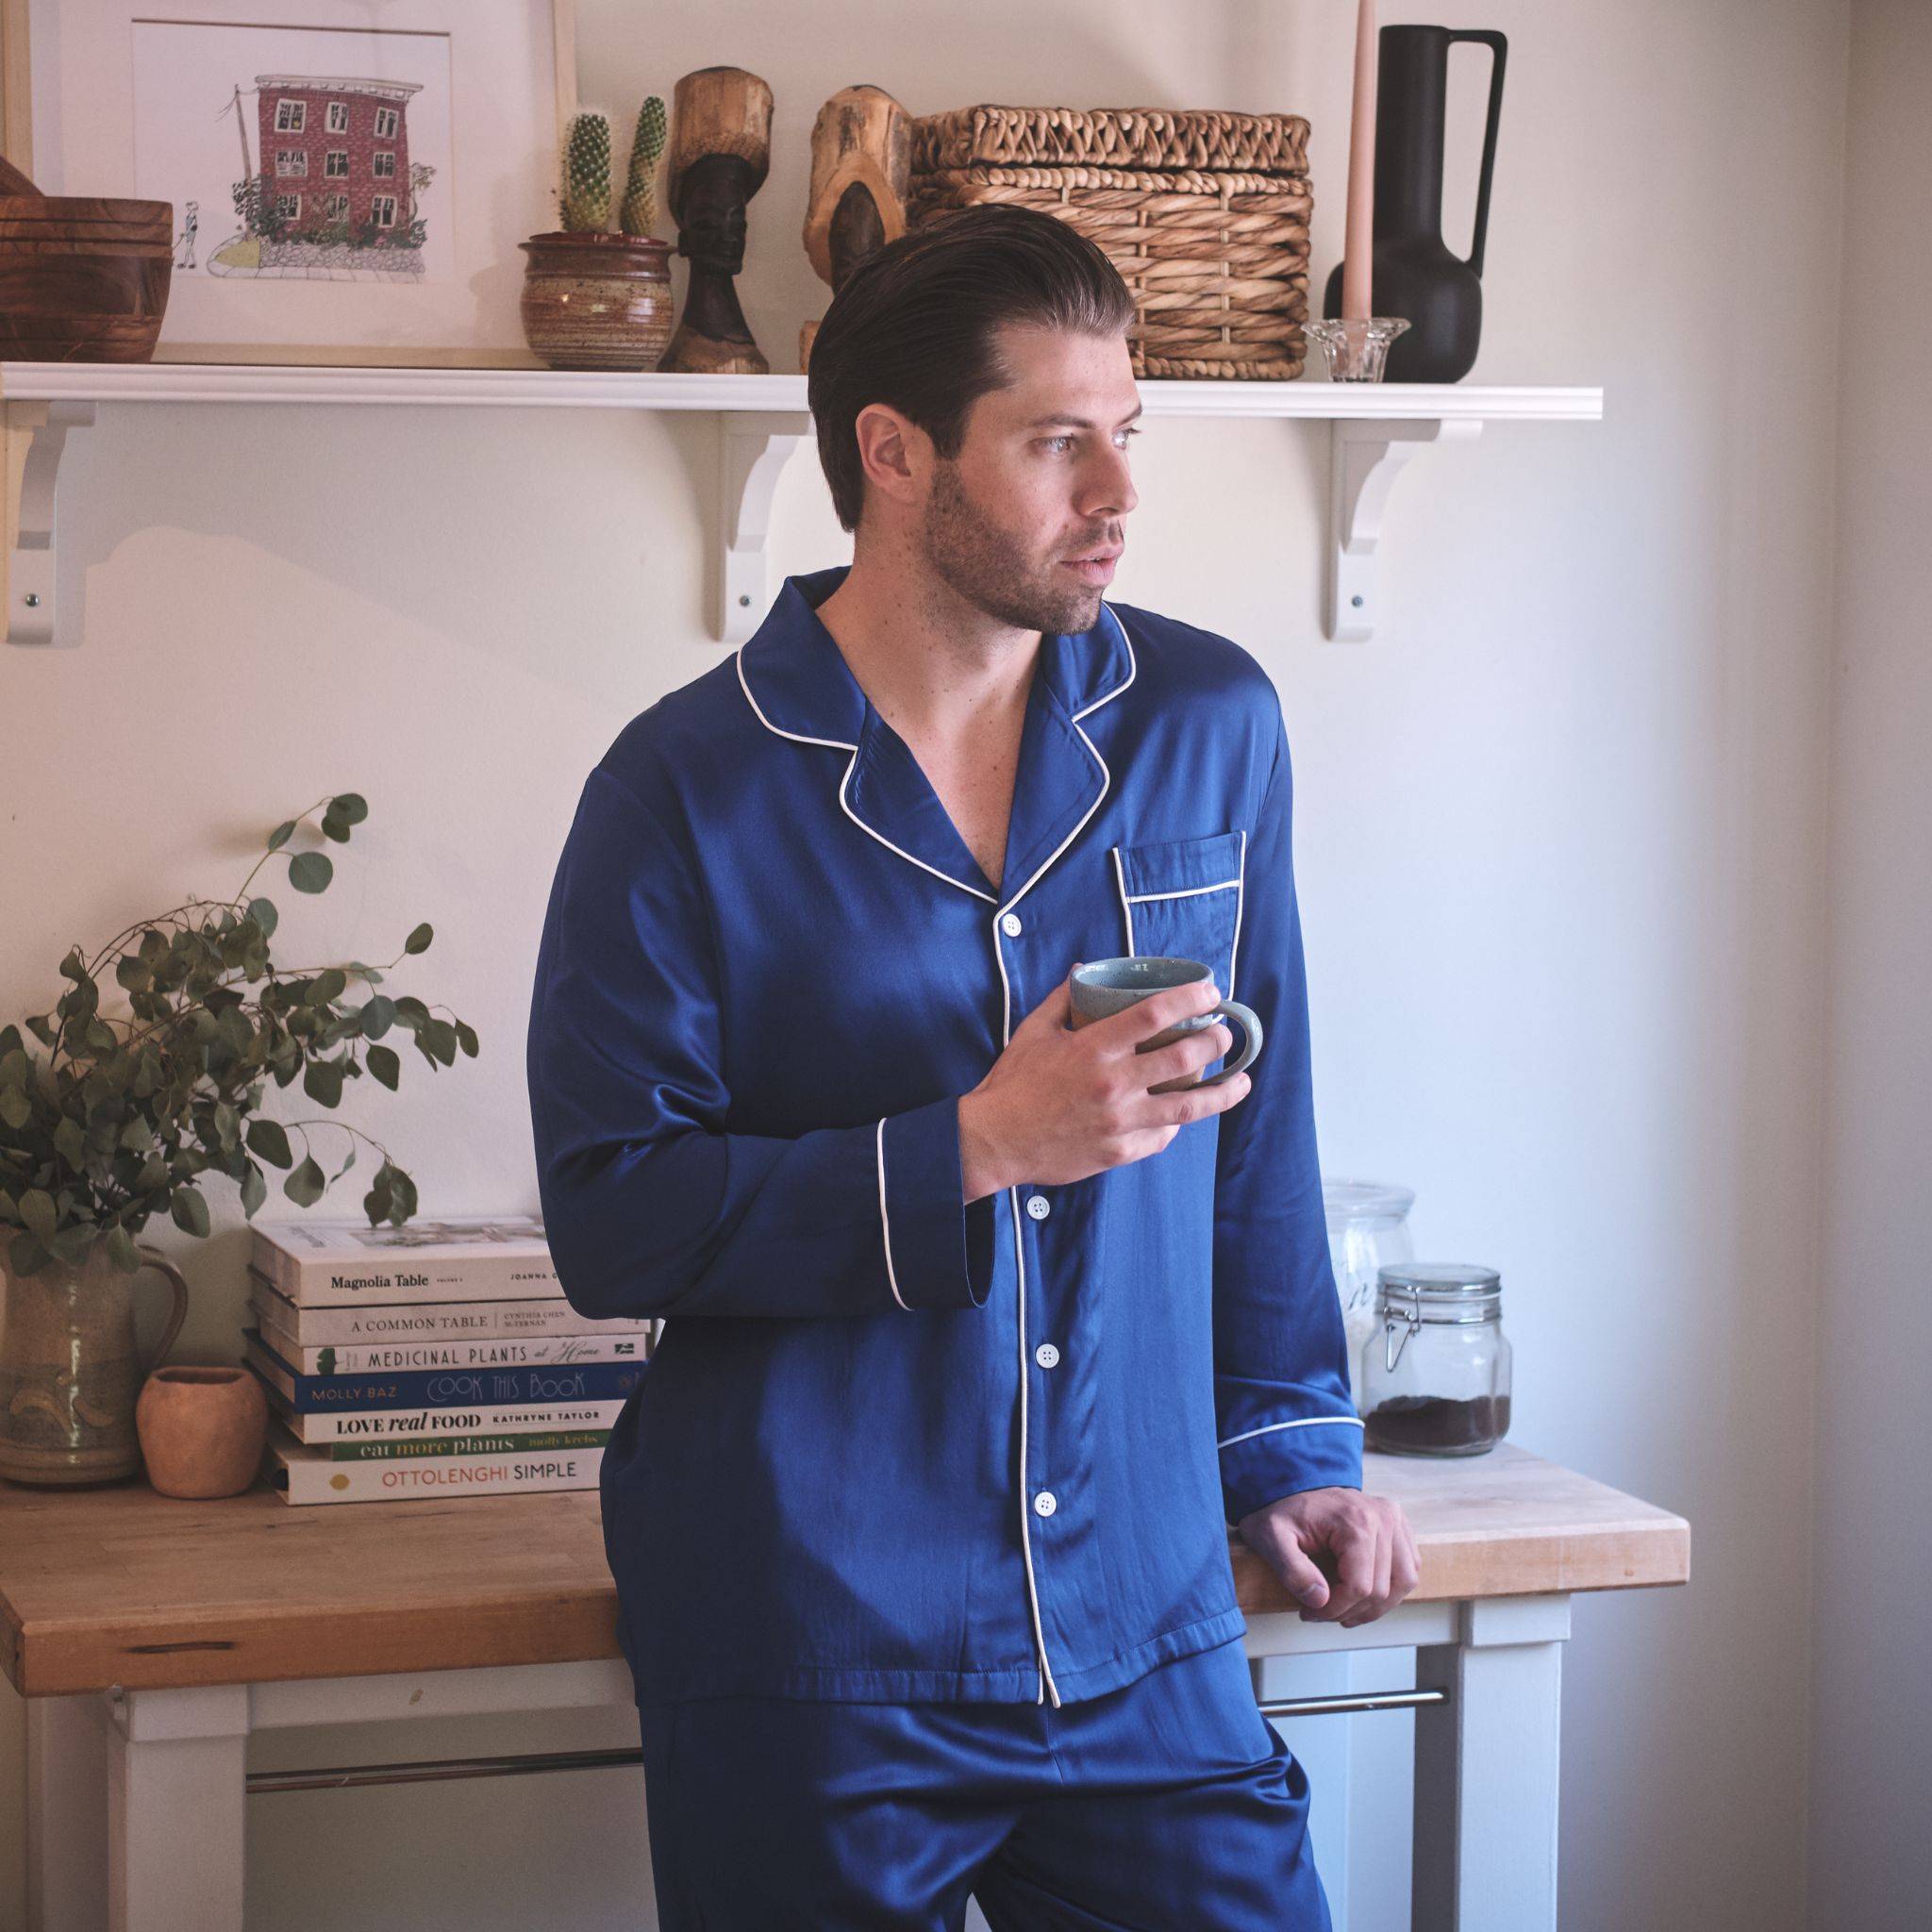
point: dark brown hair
(912, 325)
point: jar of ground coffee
(1436, 1371)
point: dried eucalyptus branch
(112, 1126)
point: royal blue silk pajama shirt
(891, 1445)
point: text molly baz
(530, 1384)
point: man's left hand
(1373, 1553)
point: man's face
(1041, 477)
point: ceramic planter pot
(202, 1429)
(70, 1371)
(599, 300)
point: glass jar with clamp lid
(1435, 1371)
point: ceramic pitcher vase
(1413, 270)
(71, 1369)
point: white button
(1010, 926)
(1038, 1207)
(1046, 1354)
(1043, 1502)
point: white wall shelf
(1376, 429)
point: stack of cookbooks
(438, 1358)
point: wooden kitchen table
(153, 1637)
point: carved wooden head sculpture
(720, 148)
(721, 145)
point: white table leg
(1485, 1769)
(176, 1793)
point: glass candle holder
(1356, 350)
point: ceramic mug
(1102, 987)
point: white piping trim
(890, 847)
(884, 1226)
(1241, 894)
(842, 744)
(1181, 891)
(1306, 1421)
(799, 736)
(1133, 667)
(1046, 1682)
(1047, 1685)
(1126, 905)
(1007, 985)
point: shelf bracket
(754, 446)
(1365, 457)
(37, 436)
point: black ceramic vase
(1412, 271)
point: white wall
(1870, 1858)
(1561, 838)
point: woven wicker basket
(1205, 213)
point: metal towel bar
(524, 1764)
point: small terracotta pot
(203, 1430)
(597, 300)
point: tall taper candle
(1359, 239)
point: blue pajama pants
(1170, 1805)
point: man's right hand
(1062, 1103)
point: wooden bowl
(83, 280)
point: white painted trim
(683, 391)
(1304, 1422)
(1126, 905)
(884, 1226)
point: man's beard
(982, 564)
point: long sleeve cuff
(939, 1249)
(1266, 1459)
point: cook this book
(322, 1261)
(442, 1388)
(301, 1472)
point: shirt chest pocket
(1181, 898)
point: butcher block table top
(122, 1586)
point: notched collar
(797, 681)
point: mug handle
(153, 1257)
(1247, 1020)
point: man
(976, 1346)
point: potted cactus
(598, 297)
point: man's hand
(1375, 1555)
(1063, 1101)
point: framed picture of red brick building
(342, 192)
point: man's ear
(886, 450)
